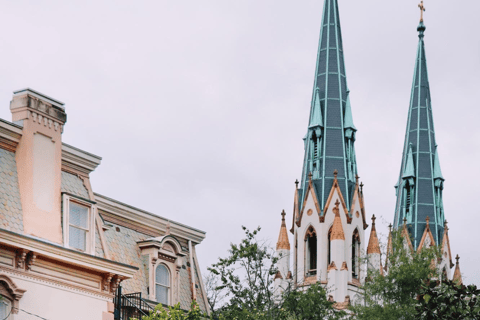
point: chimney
(39, 160)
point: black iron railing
(128, 306)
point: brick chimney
(39, 160)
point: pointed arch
(310, 251)
(355, 254)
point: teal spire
(420, 184)
(329, 142)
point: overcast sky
(198, 108)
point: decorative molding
(107, 279)
(67, 256)
(21, 255)
(53, 282)
(31, 257)
(78, 161)
(15, 292)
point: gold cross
(422, 9)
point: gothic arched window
(162, 284)
(329, 249)
(311, 251)
(355, 254)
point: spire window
(311, 251)
(355, 254)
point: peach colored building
(67, 252)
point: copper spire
(457, 275)
(283, 243)
(373, 245)
(337, 229)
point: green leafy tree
(175, 313)
(393, 295)
(246, 276)
(311, 304)
(447, 300)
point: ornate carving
(20, 257)
(107, 279)
(166, 258)
(31, 257)
(116, 283)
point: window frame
(9, 303)
(169, 287)
(90, 233)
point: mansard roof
(330, 120)
(420, 164)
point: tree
(246, 278)
(447, 300)
(393, 295)
(175, 313)
(246, 275)
(311, 304)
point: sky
(198, 108)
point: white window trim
(92, 211)
(9, 303)
(170, 279)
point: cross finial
(428, 220)
(296, 183)
(283, 215)
(356, 178)
(335, 173)
(337, 203)
(422, 10)
(310, 175)
(361, 187)
(445, 225)
(404, 220)
(373, 219)
(457, 258)
(390, 227)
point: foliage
(447, 300)
(393, 295)
(175, 313)
(246, 276)
(311, 304)
(215, 297)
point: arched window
(5, 308)
(329, 249)
(162, 284)
(355, 254)
(311, 251)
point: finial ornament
(404, 220)
(373, 219)
(457, 258)
(422, 10)
(296, 183)
(310, 175)
(427, 220)
(283, 215)
(390, 227)
(335, 173)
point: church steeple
(329, 143)
(420, 183)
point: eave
(65, 255)
(10, 135)
(78, 160)
(155, 224)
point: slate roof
(11, 217)
(330, 121)
(420, 161)
(74, 185)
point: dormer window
(78, 224)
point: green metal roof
(329, 143)
(420, 164)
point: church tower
(419, 207)
(328, 215)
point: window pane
(78, 215)
(162, 276)
(4, 308)
(77, 238)
(161, 294)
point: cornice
(10, 135)
(69, 256)
(147, 220)
(79, 160)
